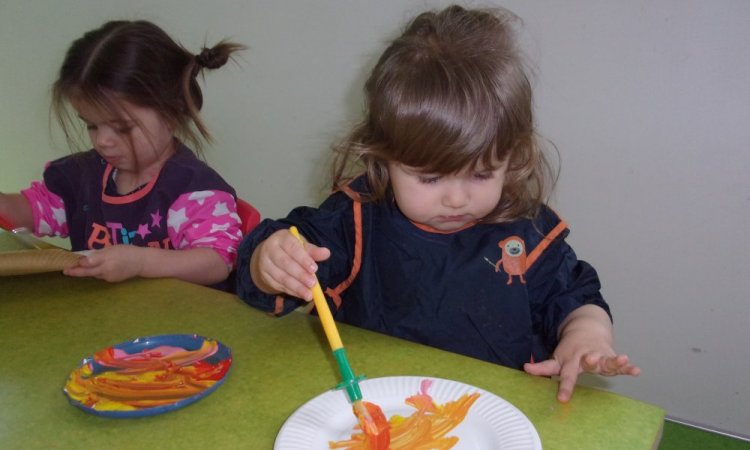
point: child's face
(447, 202)
(132, 139)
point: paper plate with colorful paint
(149, 375)
(418, 409)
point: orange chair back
(7, 225)
(248, 214)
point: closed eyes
(120, 127)
(480, 176)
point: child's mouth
(462, 218)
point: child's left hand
(585, 346)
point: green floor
(681, 437)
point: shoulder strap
(335, 293)
(545, 242)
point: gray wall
(648, 103)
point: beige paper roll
(22, 262)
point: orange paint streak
(426, 428)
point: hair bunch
(138, 62)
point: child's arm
(263, 273)
(585, 346)
(15, 209)
(204, 236)
(570, 315)
(121, 262)
(281, 264)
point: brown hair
(138, 62)
(450, 93)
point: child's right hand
(114, 263)
(281, 264)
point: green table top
(49, 322)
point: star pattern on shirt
(219, 227)
(44, 228)
(175, 219)
(59, 215)
(156, 219)
(143, 230)
(204, 240)
(220, 209)
(200, 196)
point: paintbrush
(370, 416)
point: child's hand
(568, 367)
(585, 346)
(114, 263)
(282, 264)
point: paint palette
(148, 376)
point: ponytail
(208, 58)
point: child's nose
(456, 196)
(103, 137)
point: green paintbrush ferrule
(350, 383)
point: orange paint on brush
(373, 423)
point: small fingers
(613, 365)
(88, 261)
(591, 362)
(293, 287)
(287, 265)
(620, 365)
(86, 266)
(319, 253)
(608, 365)
(296, 253)
(545, 368)
(75, 272)
(289, 277)
(81, 272)
(568, 378)
(632, 370)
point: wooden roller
(23, 262)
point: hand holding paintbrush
(370, 416)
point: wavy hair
(450, 93)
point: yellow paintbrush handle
(329, 326)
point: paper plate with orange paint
(149, 375)
(480, 420)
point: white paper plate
(491, 424)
